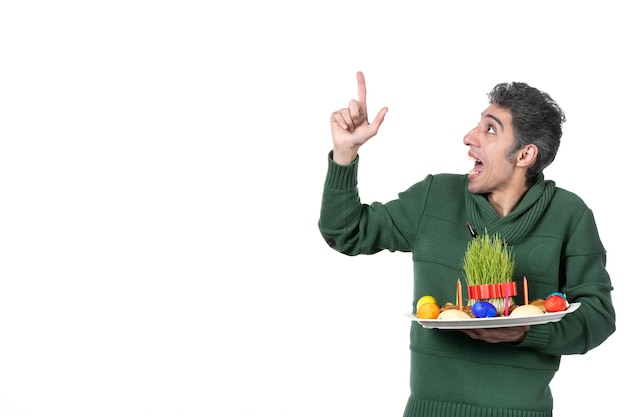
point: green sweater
(554, 238)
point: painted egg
(482, 309)
(560, 294)
(555, 302)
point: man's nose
(468, 139)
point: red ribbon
(486, 291)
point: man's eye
(490, 130)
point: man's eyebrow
(498, 121)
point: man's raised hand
(350, 127)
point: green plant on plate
(488, 260)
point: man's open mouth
(478, 166)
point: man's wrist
(343, 156)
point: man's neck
(504, 202)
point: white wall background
(161, 168)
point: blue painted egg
(560, 294)
(482, 309)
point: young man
(552, 233)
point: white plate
(492, 322)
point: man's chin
(473, 188)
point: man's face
(488, 144)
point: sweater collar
(515, 225)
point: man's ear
(527, 156)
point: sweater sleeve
(353, 228)
(586, 282)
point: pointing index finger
(362, 91)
